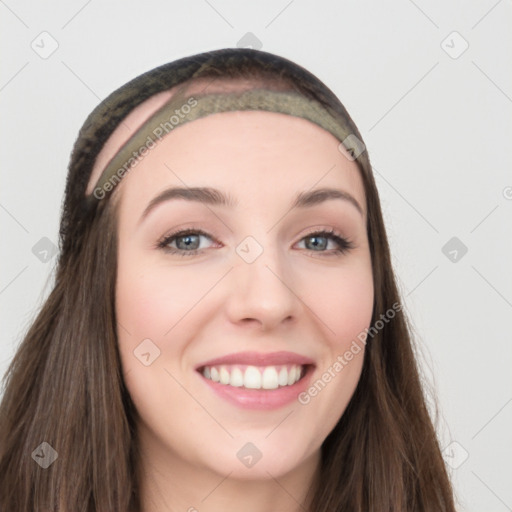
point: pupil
(321, 245)
(188, 242)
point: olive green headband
(182, 109)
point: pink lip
(261, 399)
(259, 359)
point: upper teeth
(254, 377)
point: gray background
(436, 117)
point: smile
(254, 380)
(254, 377)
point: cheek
(344, 303)
(146, 307)
(150, 299)
(345, 307)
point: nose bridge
(263, 282)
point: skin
(292, 297)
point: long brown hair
(65, 387)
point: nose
(263, 292)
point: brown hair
(65, 387)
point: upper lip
(258, 359)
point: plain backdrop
(430, 86)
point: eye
(320, 240)
(187, 242)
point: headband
(181, 109)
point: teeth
(224, 375)
(269, 378)
(292, 374)
(237, 378)
(254, 377)
(282, 378)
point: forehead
(260, 157)
(124, 131)
(136, 117)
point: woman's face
(252, 292)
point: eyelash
(344, 244)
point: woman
(225, 331)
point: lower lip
(261, 398)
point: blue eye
(343, 244)
(187, 242)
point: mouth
(255, 377)
(258, 381)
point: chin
(261, 463)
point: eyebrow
(215, 197)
